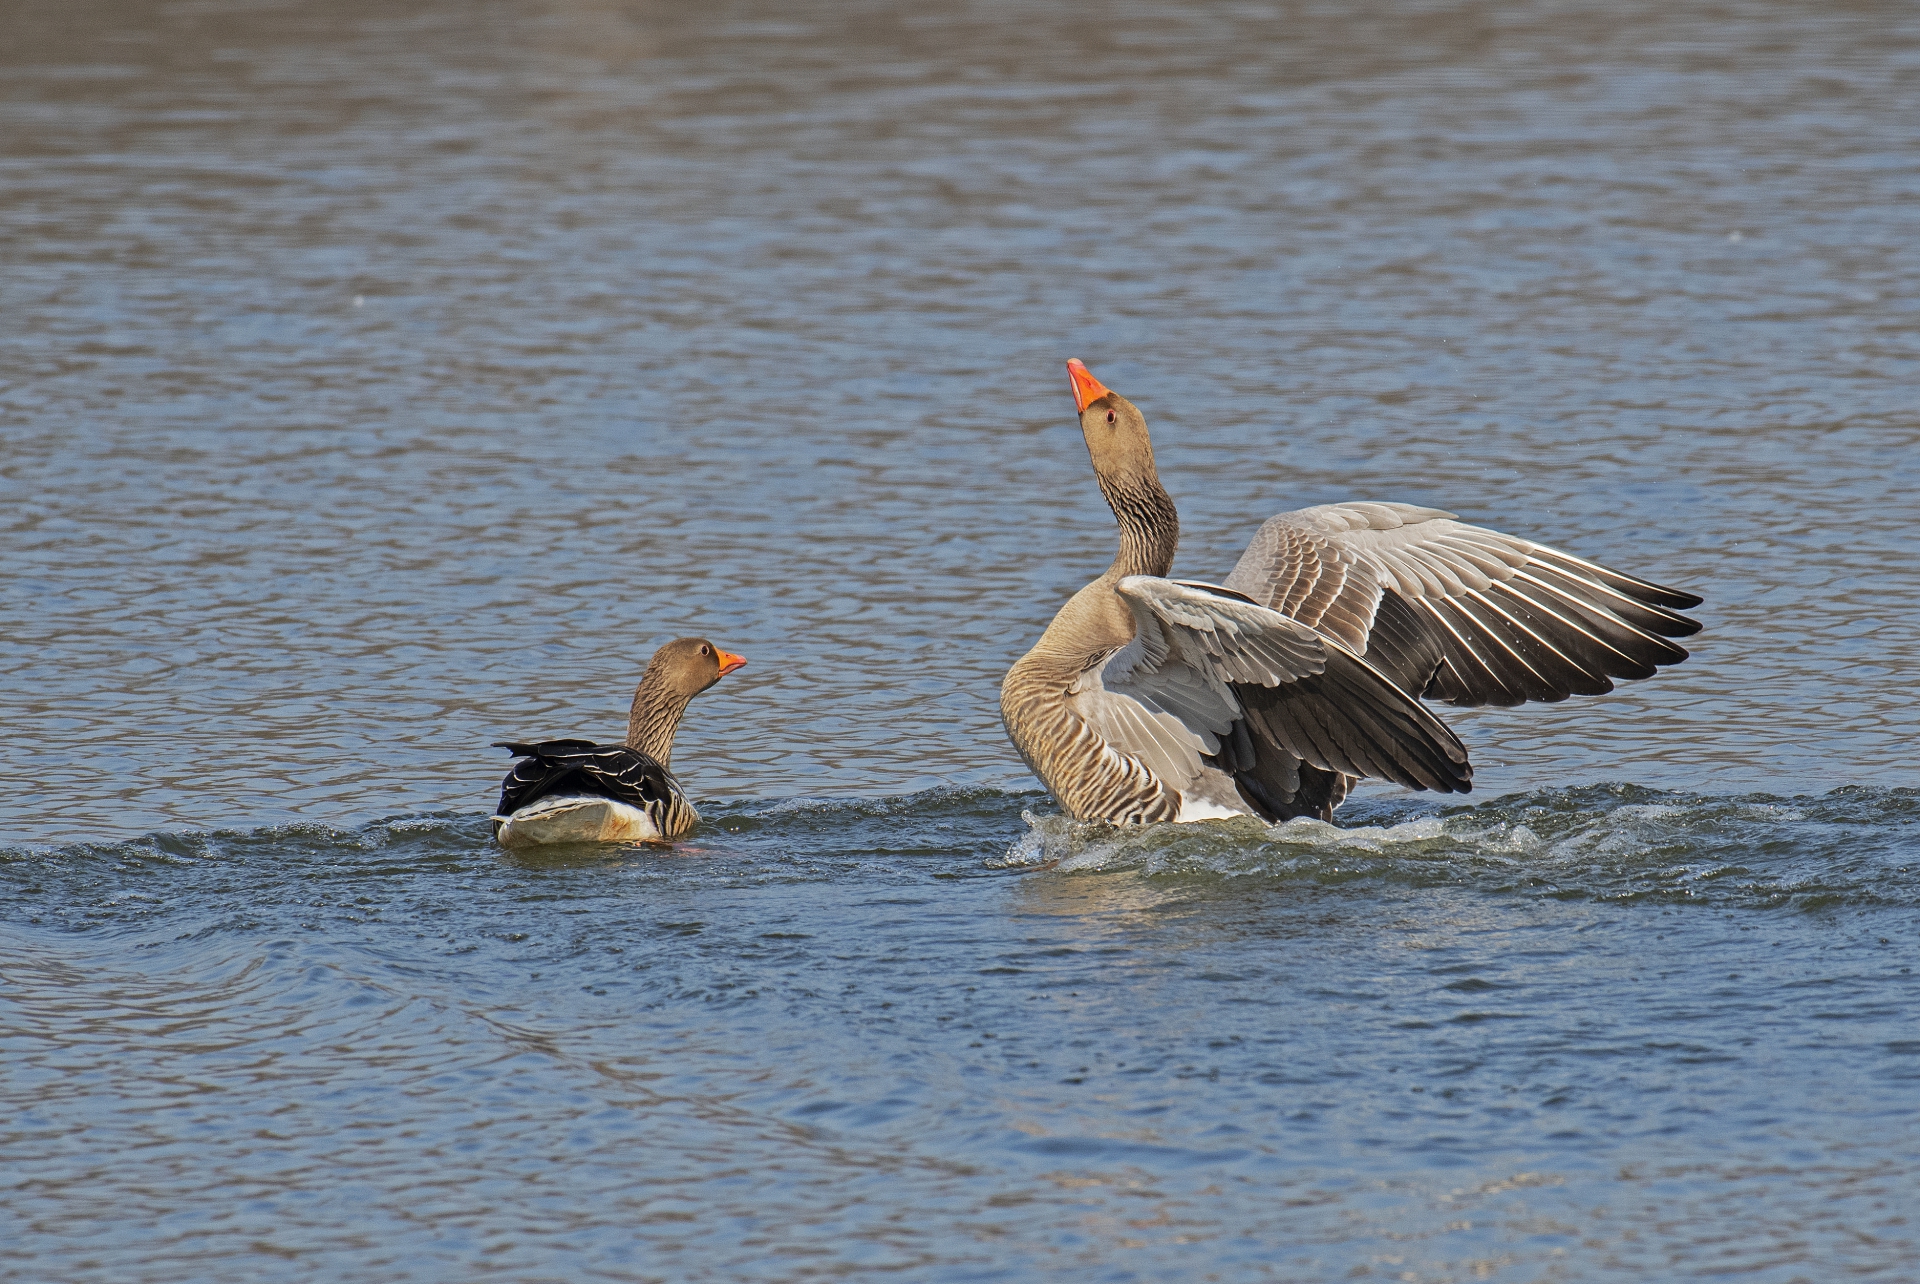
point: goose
(1272, 693)
(576, 791)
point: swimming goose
(1269, 695)
(576, 791)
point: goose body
(1151, 699)
(577, 791)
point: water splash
(1854, 846)
(1610, 842)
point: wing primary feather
(1562, 650)
(1597, 596)
(1478, 680)
(1629, 585)
(1638, 651)
(1517, 668)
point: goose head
(1114, 428)
(685, 667)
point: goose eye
(706, 651)
(1111, 417)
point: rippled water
(378, 382)
(1574, 1034)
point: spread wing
(1168, 716)
(1204, 663)
(1457, 612)
(581, 766)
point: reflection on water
(379, 383)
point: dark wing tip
(1660, 595)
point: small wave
(957, 827)
(427, 833)
(461, 831)
(1240, 845)
(943, 804)
(1855, 845)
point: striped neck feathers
(654, 717)
(1149, 523)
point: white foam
(1239, 844)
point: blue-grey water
(381, 380)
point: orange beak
(1086, 388)
(728, 661)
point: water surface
(378, 382)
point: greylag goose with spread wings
(576, 791)
(1152, 699)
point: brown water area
(378, 381)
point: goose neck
(1149, 525)
(655, 716)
